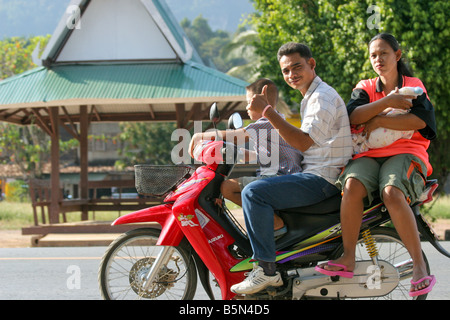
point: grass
(439, 208)
(17, 215)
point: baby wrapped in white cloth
(382, 137)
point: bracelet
(265, 109)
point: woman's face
(383, 58)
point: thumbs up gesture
(259, 102)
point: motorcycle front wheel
(130, 257)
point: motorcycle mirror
(214, 115)
(235, 121)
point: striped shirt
(275, 156)
(325, 119)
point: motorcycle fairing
(171, 234)
(203, 232)
(285, 256)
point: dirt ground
(440, 226)
(15, 239)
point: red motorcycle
(198, 234)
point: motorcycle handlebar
(218, 152)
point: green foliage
(28, 147)
(335, 31)
(146, 143)
(15, 54)
(338, 33)
(218, 49)
(241, 54)
(207, 42)
(18, 191)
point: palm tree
(241, 53)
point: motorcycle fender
(193, 231)
(171, 234)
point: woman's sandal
(342, 273)
(416, 293)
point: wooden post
(84, 191)
(55, 186)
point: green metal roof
(74, 83)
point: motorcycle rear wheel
(129, 258)
(391, 249)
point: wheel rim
(130, 262)
(392, 250)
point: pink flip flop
(342, 273)
(424, 290)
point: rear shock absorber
(374, 278)
(370, 243)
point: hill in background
(40, 17)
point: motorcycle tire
(391, 249)
(129, 258)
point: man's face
(297, 71)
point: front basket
(158, 181)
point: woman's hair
(402, 68)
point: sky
(40, 17)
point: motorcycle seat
(330, 205)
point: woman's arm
(403, 122)
(364, 113)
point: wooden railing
(119, 200)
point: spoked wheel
(128, 261)
(391, 249)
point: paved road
(71, 273)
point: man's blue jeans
(260, 199)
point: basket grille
(157, 181)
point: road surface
(71, 273)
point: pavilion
(114, 61)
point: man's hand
(195, 139)
(259, 101)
